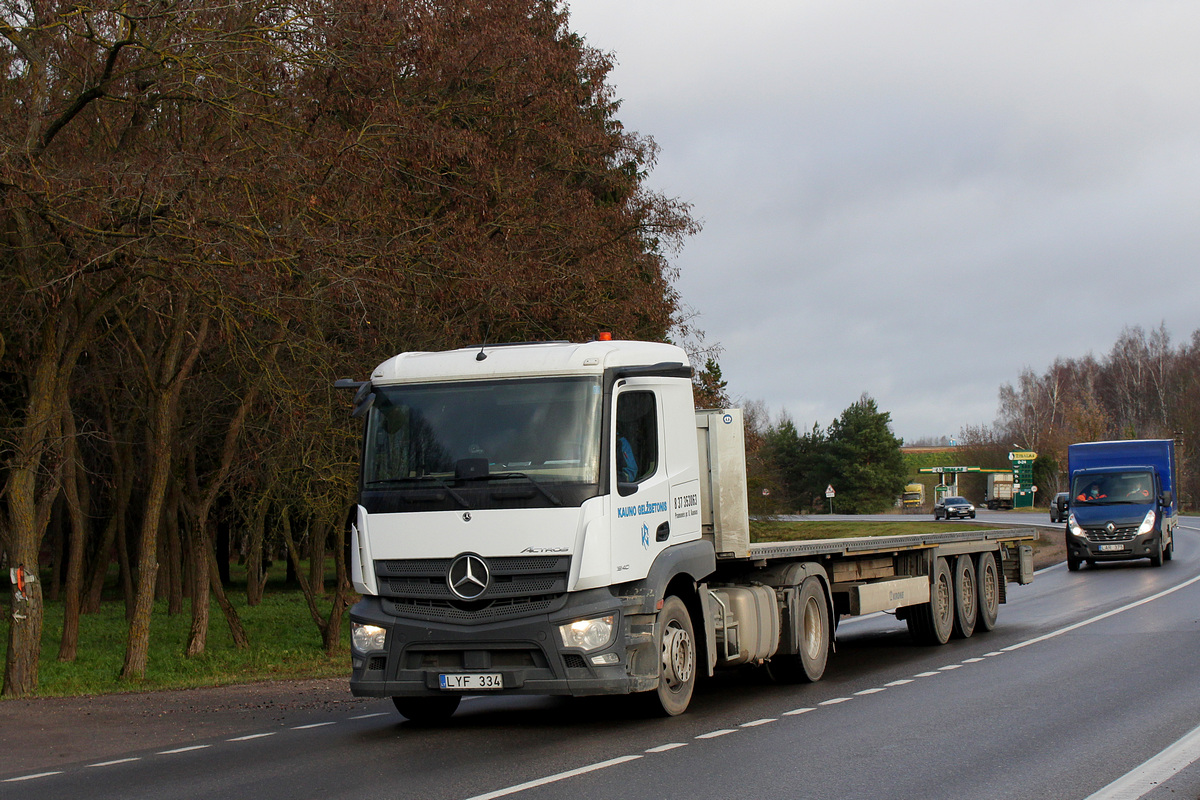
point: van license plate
(472, 681)
(1116, 547)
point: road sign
(829, 491)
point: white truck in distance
(558, 519)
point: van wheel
(1073, 564)
(988, 578)
(966, 600)
(677, 657)
(813, 634)
(427, 710)
(1156, 555)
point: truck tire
(813, 634)
(933, 622)
(1156, 555)
(966, 597)
(987, 577)
(1169, 550)
(427, 710)
(676, 644)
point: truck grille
(517, 586)
(1117, 535)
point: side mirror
(1166, 498)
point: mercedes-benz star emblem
(468, 577)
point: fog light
(366, 638)
(587, 634)
(605, 658)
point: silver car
(958, 507)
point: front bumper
(1140, 546)
(526, 652)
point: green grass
(284, 643)
(778, 531)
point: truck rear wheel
(933, 622)
(812, 633)
(438, 708)
(677, 657)
(966, 606)
(988, 580)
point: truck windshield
(541, 431)
(1132, 486)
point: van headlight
(587, 634)
(1147, 523)
(366, 638)
(1074, 528)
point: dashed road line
(250, 736)
(796, 711)
(31, 777)
(876, 690)
(115, 762)
(571, 773)
(313, 725)
(715, 734)
(758, 722)
(182, 750)
(662, 748)
(833, 701)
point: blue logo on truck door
(645, 536)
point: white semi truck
(557, 519)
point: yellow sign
(1022, 455)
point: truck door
(641, 499)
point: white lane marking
(949, 667)
(183, 750)
(993, 653)
(900, 682)
(715, 734)
(1153, 773)
(973, 660)
(876, 690)
(796, 711)
(251, 736)
(1099, 617)
(31, 777)
(833, 702)
(926, 674)
(114, 763)
(554, 778)
(662, 748)
(313, 725)
(368, 716)
(758, 722)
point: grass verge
(284, 643)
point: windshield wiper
(462, 501)
(545, 492)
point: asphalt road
(1088, 676)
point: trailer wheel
(813, 635)
(966, 597)
(677, 657)
(427, 710)
(932, 622)
(988, 580)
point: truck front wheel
(677, 657)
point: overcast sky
(914, 199)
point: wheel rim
(945, 606)
(814, 634)
(989, 588)
(678, 656)
(968, 598)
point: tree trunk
(256, 574)
(317, 537)
(171, 375)
(73, 476)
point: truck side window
(636, 453)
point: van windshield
(1132, 486)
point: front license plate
(1111, 547)
(472, 681)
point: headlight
(1147, 523)
(1074, 528)
(366, 638)
(587, 634)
